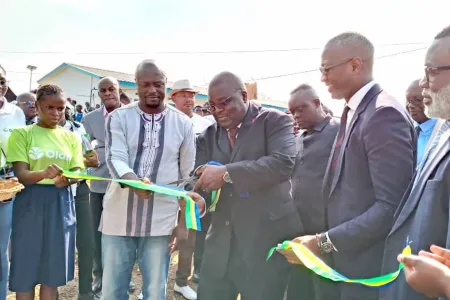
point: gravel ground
(70, 291)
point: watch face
(327, 247)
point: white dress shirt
(355, 100)
(11, 117)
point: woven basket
(9, 189)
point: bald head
(305, 107)
(306, 92)
(148, 65)
(414, 102)
(25, 97)
(27, 102)
(354, 44)
(108, 79)
(228, 99)
(229, 79)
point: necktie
(418, 131)
(340, 139)
(232, 136)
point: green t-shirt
(40, 147)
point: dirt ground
(70, 291)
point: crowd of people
(353, 190)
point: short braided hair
(48, 90)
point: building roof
(125, 79)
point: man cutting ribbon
(255, 209)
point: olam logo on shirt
(36, 153)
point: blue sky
(152, 27)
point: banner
(191, 213)
(316, 265)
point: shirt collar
(321, 125)
(239, 126)
(357, 98)
(427, 125)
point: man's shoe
(132, 287)
(186, 291)
(88, 296)
(97, 285)
(196, 277)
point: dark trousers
(200, 242)
(85, 239)
(254, 281)
(96, 210)
(300, 285)
(186, 249)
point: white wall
(76, 85)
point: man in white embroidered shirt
(150, 140)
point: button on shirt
(314, 150)
(426, 130)
(11, 117)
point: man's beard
(440, 103)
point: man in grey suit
(370, 166)
(94, 123)
(423, 216)
(255, 211)
(314, 146)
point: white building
(80, 83)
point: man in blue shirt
(422, 123)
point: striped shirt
(158, 146)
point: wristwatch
(227, 178)
(324, 243)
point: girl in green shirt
(43, 229)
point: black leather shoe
(88, 296)
(132, 287)
(97, 285)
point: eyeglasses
(4, 82)
(28, 103)
(223, 104)
(433, 71)
(326, 70)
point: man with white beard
(423, 215)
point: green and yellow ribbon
(316, 265)
(192, 213)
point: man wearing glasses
(369, 169)
(255, 211)
(27, 102)
(426, 128)
(424, 213)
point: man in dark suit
(423, 216)
(319, 131)
(255, 211)
(369, 169)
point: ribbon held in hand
(316, 265)
(192, 212)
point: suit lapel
(100, 119)
(417, 190)
(371, 94)
(252, 112)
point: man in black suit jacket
(424, 212)
(369, 169)
(255, 211)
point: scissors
(191, 180)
